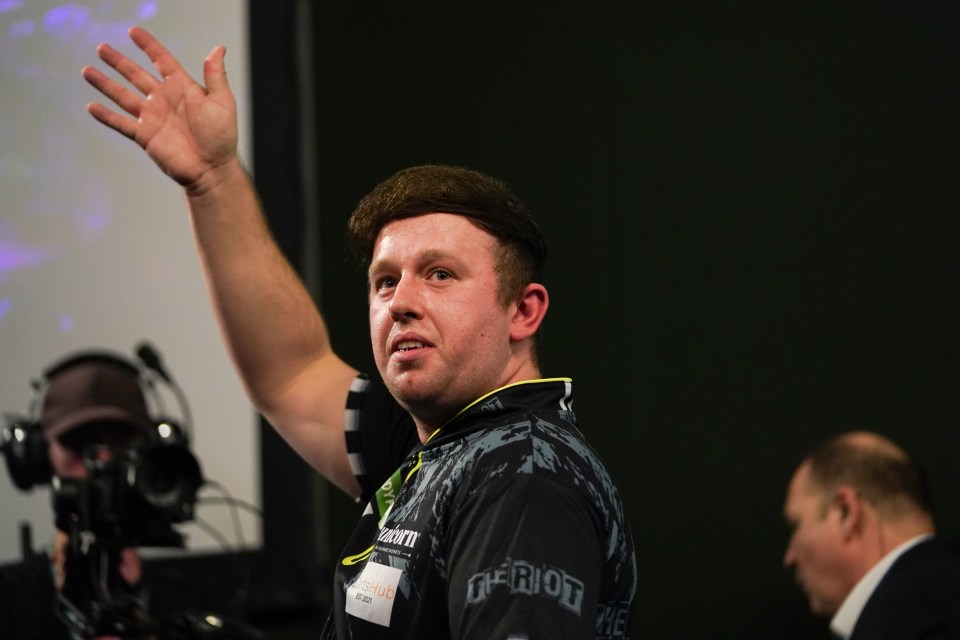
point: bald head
(849, 503)
(876, 468)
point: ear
(531, 307)
(850, 511)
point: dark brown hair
(486, 201)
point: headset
(22, 441)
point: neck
(428, 425)
(892, 536)
(887, 535)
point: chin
(820, 608)
(409, 394)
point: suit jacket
(918, 598)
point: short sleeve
(379, 433)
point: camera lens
(168, 477)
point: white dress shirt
(847, 615)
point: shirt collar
(530, 395)
(847, 615)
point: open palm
(186, 128)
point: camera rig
(131, 494)
(129, 497)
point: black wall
(752, 211)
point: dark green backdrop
(752, 210)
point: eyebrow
(429, 255)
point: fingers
(126, 126)
(141, 79)
(163, 61)
(134, 73)
(123, 97)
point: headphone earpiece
(22, 440)
(170, 432)
(25, 450)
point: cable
(249, 507)
(233, 503)
(212, 531)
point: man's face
(66, 462)
(816, 549)
(67, 452)
(440, 336)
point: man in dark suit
(863, 544)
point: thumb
(215, 72)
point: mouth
(409, 346)
(801, 583)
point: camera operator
(120, 478)
(89, 408)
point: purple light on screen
(91, 224)
(22, 28)
(10, 5)
(14, 256)
(148, 9)
(5, 304)
(67, 323)
(67, 19)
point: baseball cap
(92, 388)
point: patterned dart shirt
(504, 525)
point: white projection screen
(95, 244)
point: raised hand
(188, 129)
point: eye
(441, 274)
(385, 282)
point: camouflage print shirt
(504, 525)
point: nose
(789, 557)
(406, 301)
(72, 467)
(65, 462)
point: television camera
(130, 492)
